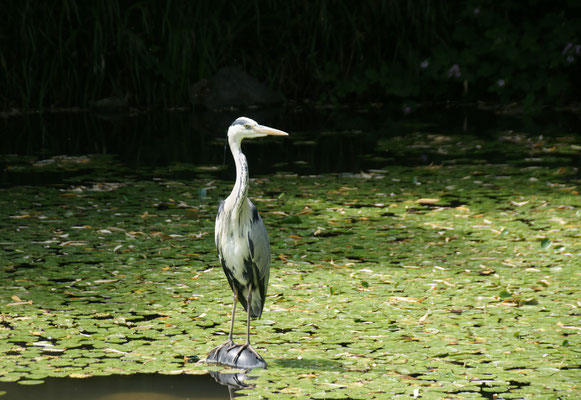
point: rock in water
(228, 356)
(110, 105)
(232, 87)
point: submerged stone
(110, 104)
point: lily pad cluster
(457, 278)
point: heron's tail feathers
(256, 303)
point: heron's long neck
(240, 189)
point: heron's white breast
(234, 251)
(234, 242)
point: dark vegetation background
(68, 53)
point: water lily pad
(30, 382)
(373, 294)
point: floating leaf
(292, 219)
(545, 243)
(31, 382)
(528, 302)
(427, 201)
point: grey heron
(242, 242)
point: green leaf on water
(504, 294)
(528, 302)
(291, 219)
(365, 284)
(10, 378)
(31, 382)
(546, 243)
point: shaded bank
(67, 54)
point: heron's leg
(235, 300)
(228, 344)
(247, 344)
(248, 299)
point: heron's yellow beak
(269, 131)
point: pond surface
(185, 145)
(434, 255)
(119, 387)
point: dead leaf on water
(427, 201)
(399, 299)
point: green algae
(458, 279)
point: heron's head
(246, 128)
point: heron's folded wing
(259, 249)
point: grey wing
(259, 249)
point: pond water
(425, 255)
(321, 141)
(119, 387)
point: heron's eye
(246, 126)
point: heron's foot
(224, 347)
(246, 347)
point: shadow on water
(309, 364)
(321, 141)
(120, 387)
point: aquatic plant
(452, 274)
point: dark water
(321, 141)
(129, 387)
